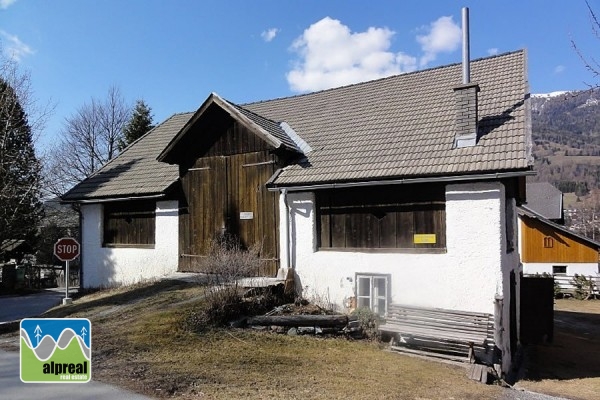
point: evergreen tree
(139, 124)
(20, 170)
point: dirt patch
(570, 365)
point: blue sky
(173, 54)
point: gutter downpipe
(288, 252)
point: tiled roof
(135, 172)
(545, 199)
(271, 127)
(397, 127)
(404, 125)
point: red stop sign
(66, 249)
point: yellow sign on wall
(425, 238)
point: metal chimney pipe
(466, 61)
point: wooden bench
(449, 334)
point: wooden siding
(565, 248)
(129, 224)
(217, 134)
(382, 217)
(225, 193)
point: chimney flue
(466, 96)
(466, 51)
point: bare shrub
(584, 287)
(228, 262)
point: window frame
(373, 295)
(548, 242)
(137, 221)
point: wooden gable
(217, 134)
(541, 243)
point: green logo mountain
(56, 350)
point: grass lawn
(139, 342)
(570, 366)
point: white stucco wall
(104, 266)
(470, 276)
(467, 277)
(572, 268)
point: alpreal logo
(56, 350)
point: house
(548, 247)
(399, 190)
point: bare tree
(590, 62)
(89, 139)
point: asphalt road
(12, 388)
(18, 307)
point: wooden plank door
(253, 210)
(205, 186)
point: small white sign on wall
(246, 215)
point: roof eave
(106, 199)
(274, 186)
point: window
(559, 269)
(382, 217)
(129, 224)
(548, 242)
(372, 292)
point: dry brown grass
(570, 366)
(139, 342)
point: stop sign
(66, 249)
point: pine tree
(139, 124)
(20, 170)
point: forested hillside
(566, 134)
(566, 150)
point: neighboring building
(548, 247)
(546, 200)
(400, 190)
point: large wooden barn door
(228, 195)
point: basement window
(372, 292)
(559, 269)
(129, 224)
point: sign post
(67, 249)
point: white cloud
(13, 46)
(269, 34)
(4, 4)
(559, 69)
(493, 51)
(444, 36)
(331, 55)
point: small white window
(372, 292)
